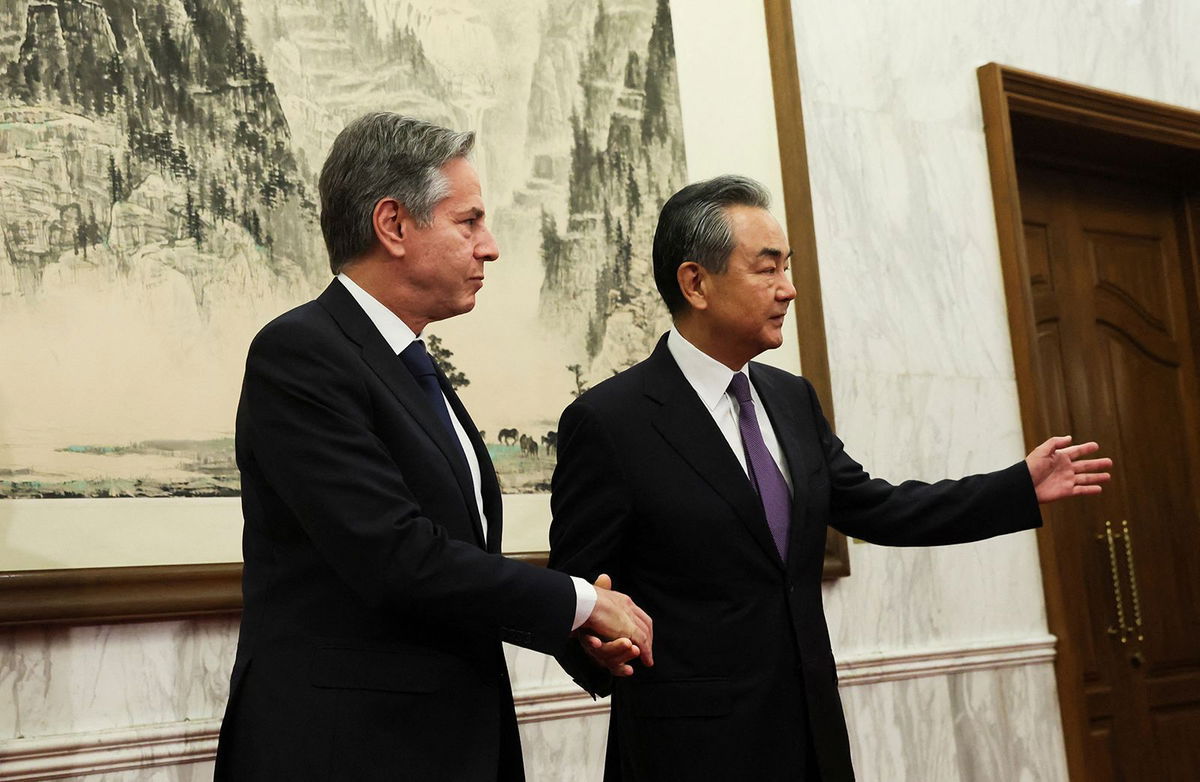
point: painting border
(157, 592)
(806, 274)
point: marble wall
(918, 336)
(142, 703)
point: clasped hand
(617, 631)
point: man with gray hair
(375, 595)
(704, 482)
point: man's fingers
(1092, 478)
(611, 655)
(646, 627)
(1093, 465)
(1055, 444)
(603, 581)
(1083, 449)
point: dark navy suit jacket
(374, 611)
(744, 684)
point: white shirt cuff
(585, 601)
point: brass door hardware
(1121, 628)
(1133, 585)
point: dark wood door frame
(1164, 143)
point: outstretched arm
(1058, 471)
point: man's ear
(693, 283)
(391, 222)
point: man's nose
(487, 249)
(786, 291)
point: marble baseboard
(973, 726)
(551, 717)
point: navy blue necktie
(421, 366)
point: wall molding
(858, 670)
(194, 741)
(96, 752)
(556, 702)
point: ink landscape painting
(158, 205)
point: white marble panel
(565, 750)
(1007, 725)
(928, 427)
(918, 58)
(910, 272)
(902, 731)
(980, 726)
(932, 427)
(76, 679)
(570, 749)
(528, 669)
(920, 597)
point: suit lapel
(489, 487)
(789, 433)
(378, 355)
(684, 422)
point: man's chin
(460, 308)
(773, 339)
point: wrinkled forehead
(757, 232)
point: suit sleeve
(309, 418)
(591, 508)
(915, 513)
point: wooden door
(1111, 265)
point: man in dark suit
(376, 597)
(704, 483)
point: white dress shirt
(399, 336)
(710, 378)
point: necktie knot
(739, 386)
(417, 360)
(420, 366)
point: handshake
(617, 631)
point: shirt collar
(708, 376)
(395, 331)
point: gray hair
(694, 226)
(382, 155)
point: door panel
(1117, 364)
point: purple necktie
(764, 472)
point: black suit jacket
(370, 638)
(648, 491)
